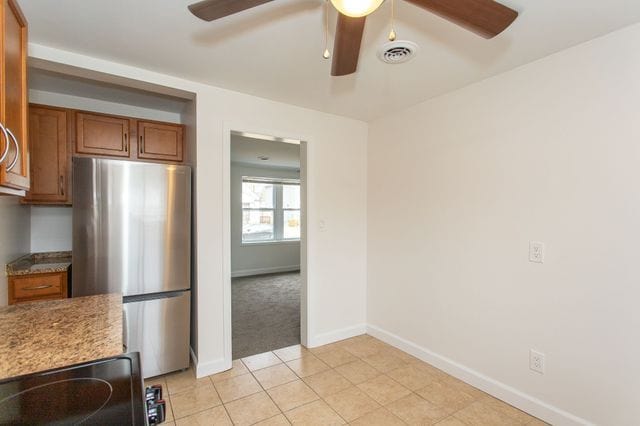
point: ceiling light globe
(356, 8)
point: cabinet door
(14, 171)
(160, 141)
(50, 160)
(26, 288)
(98, 134)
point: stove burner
(69, 401)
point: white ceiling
(275, 50)
(246, 150)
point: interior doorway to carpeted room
(266, 218)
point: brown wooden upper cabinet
(14, 155)
(160, 141)
(50, 156)
(99, 134)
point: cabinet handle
(126, 145)
(141, 145)
(15, 141)
(38, 287)
(62, 185)
(6, 147)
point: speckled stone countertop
(38, 336)
(40, 263)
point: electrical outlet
(536, 252)
(536, 361)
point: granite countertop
(42, 335)
(40, 263)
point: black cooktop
(103, 392)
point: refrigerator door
(131, 227)
(158, 327)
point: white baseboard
(208, 368)
(260, 271)
(334, 336)
(521, 400)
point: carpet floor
(265, 313)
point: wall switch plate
(536, 361)
(536, 252)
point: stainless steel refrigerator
(132, 235)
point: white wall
(51, 228)
(14, 236)
(336, 195)
(258, 258)
(459, 185)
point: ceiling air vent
(397, 52)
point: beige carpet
(265, 313)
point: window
(270, 209)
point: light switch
(322, 225)
(536, 252)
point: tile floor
(358, 381)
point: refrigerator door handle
(125, 331)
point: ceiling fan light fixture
(356, 8)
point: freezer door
(158, 327)
(131, 227)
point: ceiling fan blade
(486, 18)
(346, 47)
(210, 10)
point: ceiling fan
(486, 18)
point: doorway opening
(266, 220)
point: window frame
(278, 210)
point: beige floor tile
(169, 416)
(237, 387)
(411, 376)
(363, 348)
(292, 395)
(519, 416)
(445, 396)
(352, 403)
(416, 411)
(430, 369)
(379, 417)
(329, 347)
(279, 420)
(384, 361)
(211, 417)
(308, 365)
(327, 383)
(450, 421)
(237, 369)
(464, 387)
(252, 409)
(537, 422)
(184, 380)
(384, 389)
(357, 372)
(336, 357)
(291, 352)
(479, 414)
(274, 376)
(194, 400)
(259, 361)
(400, 354)
(314, 413)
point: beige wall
(459, 185)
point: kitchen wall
(258, 258)
(50, 228)
(459, 185)
(14, 236)
(336, 187)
